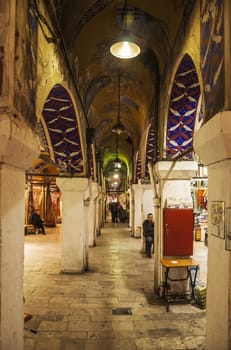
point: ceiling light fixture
(117, 163)
(125, 48)
(118, 128)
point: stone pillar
(74, 236)
(213, 145)
(97, 217)
(19, 147)
(173, 181)
(92, 214)
(147, 207)
(131, 209)
(147, 200)
(99, 213)
(137, 191)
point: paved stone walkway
(83, 312)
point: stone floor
(110, 307)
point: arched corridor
(75, 311)
(86, 130)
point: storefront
(199, 190)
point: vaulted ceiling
(88, 28)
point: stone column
(147, 207)
(137, 209)
(131, 209)
(92, 214)
(147, 200)
(101, 209)
(97, 218)
(74, 235)
(213, 145)
(173, 181)
(19, 147)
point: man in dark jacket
(37, 221)
(148, 229)
(114, 211)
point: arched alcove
(138, 168)
(62, 127)
(183, 109)
(149, 148)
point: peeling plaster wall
(25, 57)
(7, 11)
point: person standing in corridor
(114, 211)
(148, 230)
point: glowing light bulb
(125, 49)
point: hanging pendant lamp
(125, 48)
(117, 163)
(118, 128)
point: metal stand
(187, 265)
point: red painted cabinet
(178, 232)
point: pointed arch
(62, 127)
(138, 168)
(92, 163)
(149, 148)
(183, 106)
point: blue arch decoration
(138, 168)
(182, 109)
(61, 122)
(212, 47)
(149, 148)
(92, 158)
